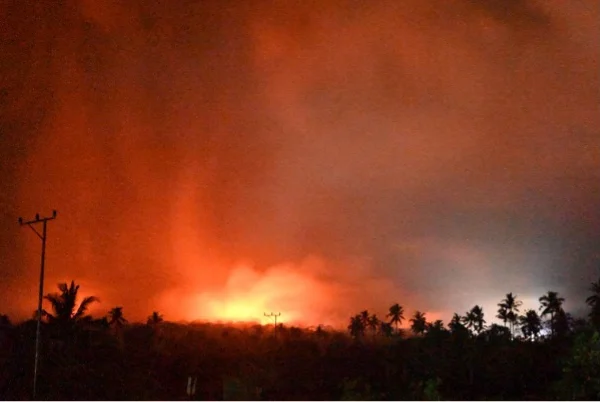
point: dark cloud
(438, 154)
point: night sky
(222, 159)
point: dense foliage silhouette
(111, 358)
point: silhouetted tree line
(535, 354)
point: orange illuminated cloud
(248, 294)
(174, 147)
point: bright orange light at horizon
(248, 295)
(174, 147)
(240, 310)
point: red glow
(175, 145)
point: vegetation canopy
(375, 359)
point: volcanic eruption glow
(219, 160)
(295, 291)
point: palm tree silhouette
(364, 317)
(503, 315)
(385, 329)
(396, 315)
(456, 324)
(373, 323)
(435, 327)
(116, 317)
(594, 302)
(154, 319)
(551, 304)
(509, 309)
(531, 324)
(356, 326)
(594, 299)
(562, 323)
(117, 321)
(418, 323)
(65, 311)
(474, 319)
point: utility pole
(42, 236)
(273, 315)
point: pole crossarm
(37, 219)
(273, 315)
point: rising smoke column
(411, 148)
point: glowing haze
(221, 159)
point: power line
(42, 236)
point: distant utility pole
(42, 236)
(273, 315)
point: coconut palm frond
(82, 309)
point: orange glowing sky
(221, 159)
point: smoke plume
(221, 159)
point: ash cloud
(442, 153)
